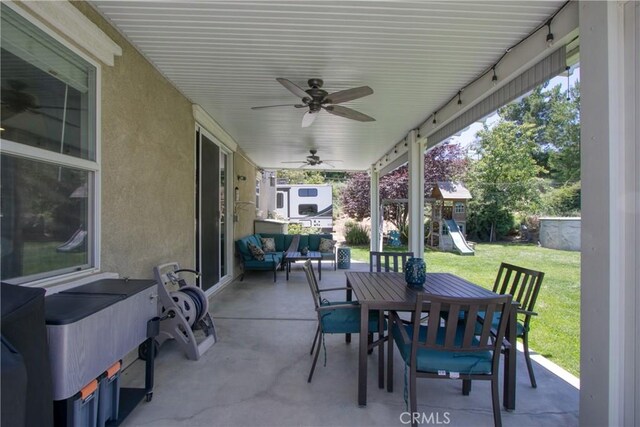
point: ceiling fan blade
(293, 88)
(279, 105)
(296, 162)
(348, 113)
(348, 95)
(308, 119)
(55, 107)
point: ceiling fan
(317, 99)
(16, 100)
(314, 160)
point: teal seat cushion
(271, 261)
(345, 320)
(328, 255)
(496, 323)
(433, 361)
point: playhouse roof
(450, 190)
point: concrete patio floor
(256, 374)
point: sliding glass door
(211, 210)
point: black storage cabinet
(26, 374)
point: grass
(42, 256)
(555, 332)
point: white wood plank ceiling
(226, 55)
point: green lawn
(42, 256)
(555, 333)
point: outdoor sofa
(272, 260)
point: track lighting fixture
(459, 99)
(549, 34)
(435, 121)
(494, 79)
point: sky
(468, 135)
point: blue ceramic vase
(415, 272)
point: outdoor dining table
(389, 291)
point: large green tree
(555, 113)
(503, 179)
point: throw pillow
(326, 245)
(256, 252)
(268, 244)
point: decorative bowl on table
(415, 272)
(304, 250)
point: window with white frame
(459, 208)
(48, 156)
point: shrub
(480, 220)
(562, 201)
(356, 234)
(297, 228)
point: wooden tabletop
(389, 291)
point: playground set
(449, 217)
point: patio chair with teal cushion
(457, 350)
(524, 285)
(339, 317)
(388, 261)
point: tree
(299, 176)
(503, 180)
(442, 163)
(556, 117)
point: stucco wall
(560, 233)
(147, 148)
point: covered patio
(256, 374)
(165, 92)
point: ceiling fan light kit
(316, 99)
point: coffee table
(292, 256)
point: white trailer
(308, 204)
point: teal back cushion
(314, 240)
(287, 241)
(304, 241)
(255, 240)
(241, 244)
